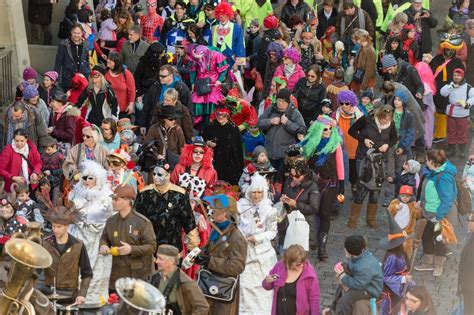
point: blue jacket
(446, 189)
(366, 274)
(65, 65)
(406, 133)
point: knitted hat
(414, 166)
(368, 94)
(29, 92)
(284, 94)
(388, 61)
(271, 22)
(53, 75)
(402, 95)
(125, 191)
(29, 73)
(98, 68)
(459, 71)
(406, 190)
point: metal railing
(6, 77)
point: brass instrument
(139, 297)
(34, 233)
(27, 256)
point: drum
(67, 310)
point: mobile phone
(275, 276)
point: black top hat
(396, 236)
(100, 69)
(60, 97)
(169, 111)
(179, 43)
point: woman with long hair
(364, 63)
(418, 302)
(98, 100)
(86, 16)
(122, 82)
(322, 146)
(427, 77)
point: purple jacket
(307, 289)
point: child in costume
(27, 207)
(395, 273)
(251, 139)
(409, 175)
(259, 163)
(10, 223)
(405, 213)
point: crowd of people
(228, 136)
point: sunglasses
(344, 103)
(198, 152)
(88, 178)
(221, 114)
(115, 163)
(170, 118)
(164, 75)
(327, 129)
(295, 176)
(87, 136)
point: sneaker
(438, 140)
(424, 267)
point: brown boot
(354, 213)
(372, 215)
(438, 265)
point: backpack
(463, 200)
(372, 171)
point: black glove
(341, 187)
(202, 260)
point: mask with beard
(161, 176)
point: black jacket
(40, 11)
(309, 99)
(65, 65)
(409, 77)
(96, 103)
(152, 98)
(426, 24)
(267, 37)
(308, 200)
(302, 10)
(324, 22)
(365, 128)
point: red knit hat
(459, 71)
(271, 22)
(406, 190)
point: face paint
(160, 176)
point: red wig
(186, 157)
(224, 8)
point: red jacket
(10, 162)
(124, 88)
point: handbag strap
(27, 162)
(173, 280)
(299, 194)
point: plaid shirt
(149, 24)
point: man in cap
(180, 291)
(168, 208)
(128, 236)
(225, 253)
(63, 123)
(69, 259)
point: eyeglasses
(95, 76)
(327, 129)
(88, 178)
(87, 136)
(199, 152)
(344, 103)
(151, 4)
(164, 75)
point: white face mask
(160, 176)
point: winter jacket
(307, 193)
(107, 30)
(302, 10)
(268, 36)
(344, 27)
(366, 60)
(365, 128)
(174, 137)
(297, 74)
(185, 121)
(309, 99)
(444, 77)
(426, 43)
(439, 195)
(408, 76)
(279, 137)
(40, 12)
(11, 163)
(325, 23)
(76, 155)
(64, 125)
(406, 133)
(65, 65)
(152, 98)
(252, 45)
(47, 95)
(307, 288)
(464, 93)
(131, 57)
(99, 106)
(366, 274)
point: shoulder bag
(217, 287)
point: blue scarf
(214, 234)
(322, 158)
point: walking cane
(420, 228)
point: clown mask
(161, 176)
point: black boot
(322, 254)
(461, 151)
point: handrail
(6, 76)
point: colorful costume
(208, 67)
(228, 38)
(173, 31)
(242, 113)
(151, 22)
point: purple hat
(29, 73)
(53, 75)
(29, 92)
(347, 96)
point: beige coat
(74, 158)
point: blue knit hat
(388, 61)
(29, 92)
(402, 95)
